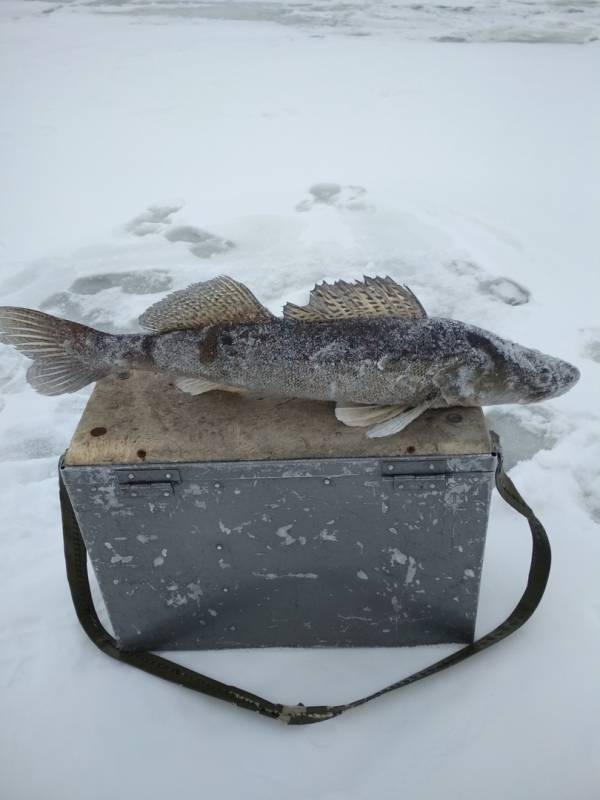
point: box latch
(146, 483)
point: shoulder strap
(76, 562)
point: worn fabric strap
(77, 574)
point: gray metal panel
(323, 552)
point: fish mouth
(575, 374)
(567, 376)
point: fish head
(507, 372)
(538, 376)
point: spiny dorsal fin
(208, 303)
(367, 299)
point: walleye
(369, 346)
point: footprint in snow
(157, 220)
(352, 198)
(465, 268)
(141, 282)
(67, 305)
(505, 290)
(203, 244)
(153, 220)
(72, 303)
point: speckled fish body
(369, 346)
(382, 361)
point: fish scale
(369, 361)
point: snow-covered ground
(138, 143)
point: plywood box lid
(146, 419)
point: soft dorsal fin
(208, 303)
(367, 299)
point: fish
(368, 346)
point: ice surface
(528, 21)
(524, 431)
(591, 343)
(326, 140)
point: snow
(147, 146)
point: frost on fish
(367, 343)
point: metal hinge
(414, 466)
(148, 482)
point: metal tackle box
(220, 521)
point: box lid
(146, 419)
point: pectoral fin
(356, 415)
(201, 385)
(381, 420)
(397, 423)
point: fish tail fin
(57, 347)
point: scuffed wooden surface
(147, 419)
